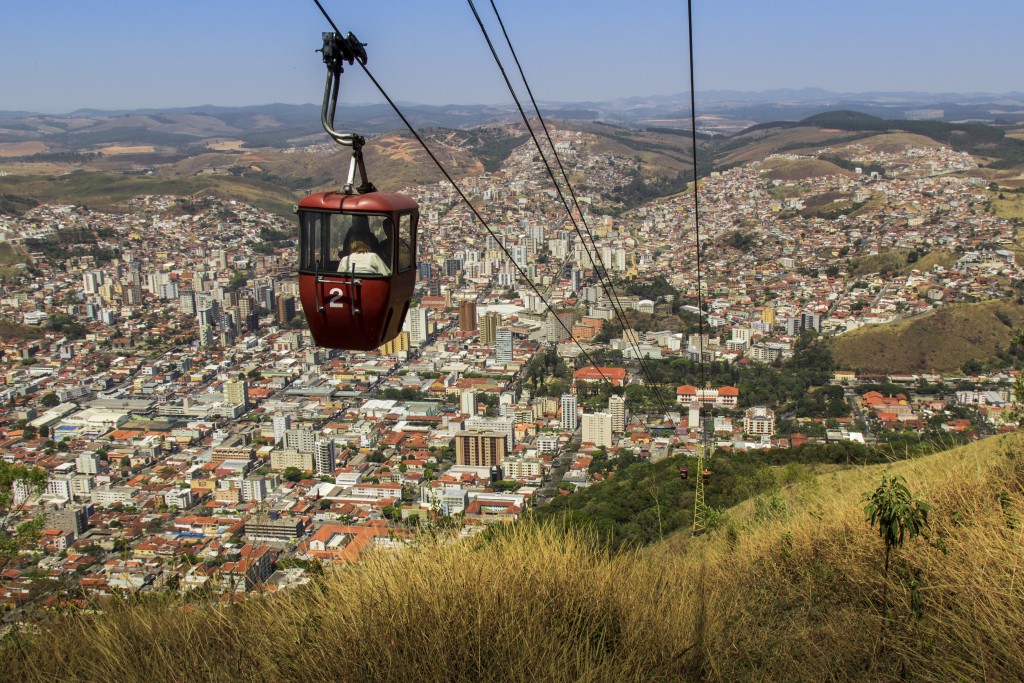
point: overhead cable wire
(464, 198)
(706, 432)
(605, 279)
(696, 198)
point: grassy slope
(795, 598)
(798, 169)
(945, 259)
(10, 258)
(938, 342)
(894, 259)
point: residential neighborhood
(159, 370)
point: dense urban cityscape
(192, 435)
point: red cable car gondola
(357, 247)
(684, 473)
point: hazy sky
(60, 55)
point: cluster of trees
(16, 204)
(490, 145)
(17, 534)
(393, 394)
(638, 190)
(653, 289)
(64, 324)
(547, 374)
(271, 240)
(786, 386)
(739, 240)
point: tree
(18, 484)
(898, 515)
(971, 367)
(292, 474)
(49, 400)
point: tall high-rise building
(569, 417)
(187, 301)
(489, 327)
(207, 335)
(236, 392)
(302, 440)
(248, 316)
(285, 309)
(282, 423)
(264, 292)
(207, 309)
(807, 321)
(502, 425)
(480, 449)
(503, 349)
(397, 345)
(133, 291)
(167, 291)
(416, 324)
(467, 402)
(324, 460)
(558, 327)
(467, 316)
(617, 409)
(91, 281)
(597, 429)
(452, 267)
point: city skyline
(125, 55)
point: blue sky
(61, 55)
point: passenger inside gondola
(363, 253)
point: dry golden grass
(796, 597)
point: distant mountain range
(719, 111)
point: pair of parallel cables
(600, 268)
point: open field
(226, 145)
(937, 343)
(21, 149)
(115, 150)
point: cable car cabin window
(406, 245)
(356, 244)
(311, 224)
